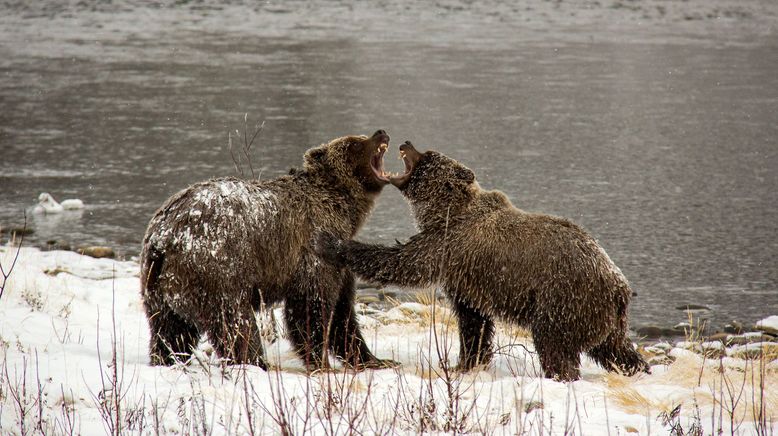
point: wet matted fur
(496, 261)
(216, 250)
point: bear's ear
(465, 174)
(315, 156)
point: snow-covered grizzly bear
(495, 261)
(216, 250)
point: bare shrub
(7, 270)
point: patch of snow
(191, 232)
(682, 352)
(60, 314)
(666, 346)
(688, 345)
(712, 345)
(769, 324)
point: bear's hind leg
(616, 353)
(234, 334)
(559, 361)
(172, 337)
(475, 336)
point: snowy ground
(73, 340)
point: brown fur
(496, 261)
(218, 249)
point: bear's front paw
(328, 246)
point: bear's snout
(381, 137)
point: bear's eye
(355, 146)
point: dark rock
(737, 340)
(650, 331)
(368, 299)
(387, 294)
(18, 231)
(749, 338)
(733, 327)
(688, 307)
(97, 252)
(661, 359)
(57, 245)
(653, 332)
(724, 338)
(360, 285)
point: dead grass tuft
(630, 400)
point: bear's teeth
(384, 146)
(402, 155)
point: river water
(663, 144)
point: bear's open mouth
(410, 158)
(377, 163)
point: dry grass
(622, 393)
(725, 394)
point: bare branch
(257, 130)
(7, 274)
(246, 143)
(244, 154)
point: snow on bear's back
(207, 217)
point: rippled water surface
(665, 150)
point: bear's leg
(346, 340)
(559, 361)
(616, 353)
(172, 338)
(306, 318)
(475, 337)
(234, 334)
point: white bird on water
(47, 204)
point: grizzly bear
(496, 261)
(218, 250)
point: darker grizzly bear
(214, 252)
(496, 261)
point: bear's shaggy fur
(214, 252)
(496, 261)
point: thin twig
(5, 273)
(247, 144)
(499, 349)
(235, 161)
